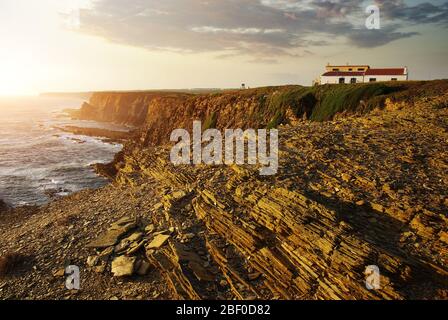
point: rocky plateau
(365, 184)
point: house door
(341, 80)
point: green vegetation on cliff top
(321, 103)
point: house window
(341, 80)
(360, 69)
(335, 69)
(372, 80)
(350, 69)
(394, 79)
(353, 80)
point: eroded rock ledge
(350, 193)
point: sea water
(38, 159)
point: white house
(361, 74)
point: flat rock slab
(113, 235)
(158, 241)
(123, 266)
(123, 222)
(107, 239)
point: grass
(277, 120)
(273, 105)
(210, 122)
(355, 97)
(269, 107)
(321, 103)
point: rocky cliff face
(159, 113)
(343, 199)
(351, 192)
(121, 107)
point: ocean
(39, 161)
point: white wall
(360, 79)
(385, 78)
(335, 79)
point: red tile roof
(386, 72)
(343, 74)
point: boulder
(123, 266)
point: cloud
(368, 39)
(259, 28)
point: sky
(95, 45)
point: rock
(121, 247)
(444, 236)
(113, 235)
(137, 236)
(143, 268)
(130, 243)
(194, 262)
(158, 206)
(106, 253)
(134, 247)
(149, 228)
(123, 266)
(125, 223)
(189, 236)
(287, 236)
(200, 272)
(378, 207)
(59, 273)
(254, 276)
(150, 252)
(158, 241)
(346, 177)
(178, 195)
(92, 261)
(100, 269)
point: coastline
(343, 199)
(108, 136)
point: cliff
(367, 186)
(126, 108)
(159, 113)
(343, 199)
